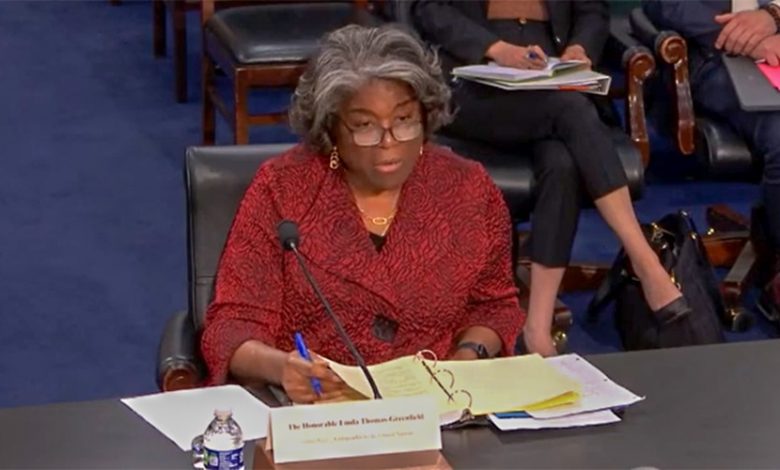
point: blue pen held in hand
(304, 352)
(534, 56)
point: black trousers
(572, 151)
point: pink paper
(771, 73)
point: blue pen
(534, 56)
(304, 352)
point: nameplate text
(354, 429)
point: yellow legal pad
(518, 383)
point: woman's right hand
(297, 373)
(510, 55)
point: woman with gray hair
(409, 242)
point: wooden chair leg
(584, 276)
(158, 25)
(722, 218)
(240, 109)
(737, 282)
(179, 19)
(723, 248)
(209, 112)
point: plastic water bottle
(197, 452)
(223, 443)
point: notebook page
(509, 383)
(495, 385)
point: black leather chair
(215, 181)
(264, 45)
(733, 241)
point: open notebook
(558, 76)
(468, 388)
(510, 74)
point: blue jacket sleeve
(693, 19)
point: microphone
(287, 231)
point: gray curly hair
(351, 56)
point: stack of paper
(482, 387)
(598, 397)
(564, 76)
(493, 71)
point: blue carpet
(92, 257)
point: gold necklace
(379, 221)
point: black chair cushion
(722, 153)
(513, 174)
(216, 179)
(282, 32)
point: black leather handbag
(678, 245)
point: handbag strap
(615, 279)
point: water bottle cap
(223, 413)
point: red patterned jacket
(445, 265)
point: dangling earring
(422, 147)
(334, 158)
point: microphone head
(287, 231)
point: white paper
(184, 414)
(598, 391)
(585, 419)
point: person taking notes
(573, 154)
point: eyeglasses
(372, 134)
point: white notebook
(510, 74)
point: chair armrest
(178, 363)
(638, 64)
(671, 49)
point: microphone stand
(352, 349)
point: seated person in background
(573, 153)
(409, 242)
(737, 27)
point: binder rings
(471, 388)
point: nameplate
(354, 429)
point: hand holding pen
(304, 353)
(306, 378)
(536, 54)
(510, 55)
